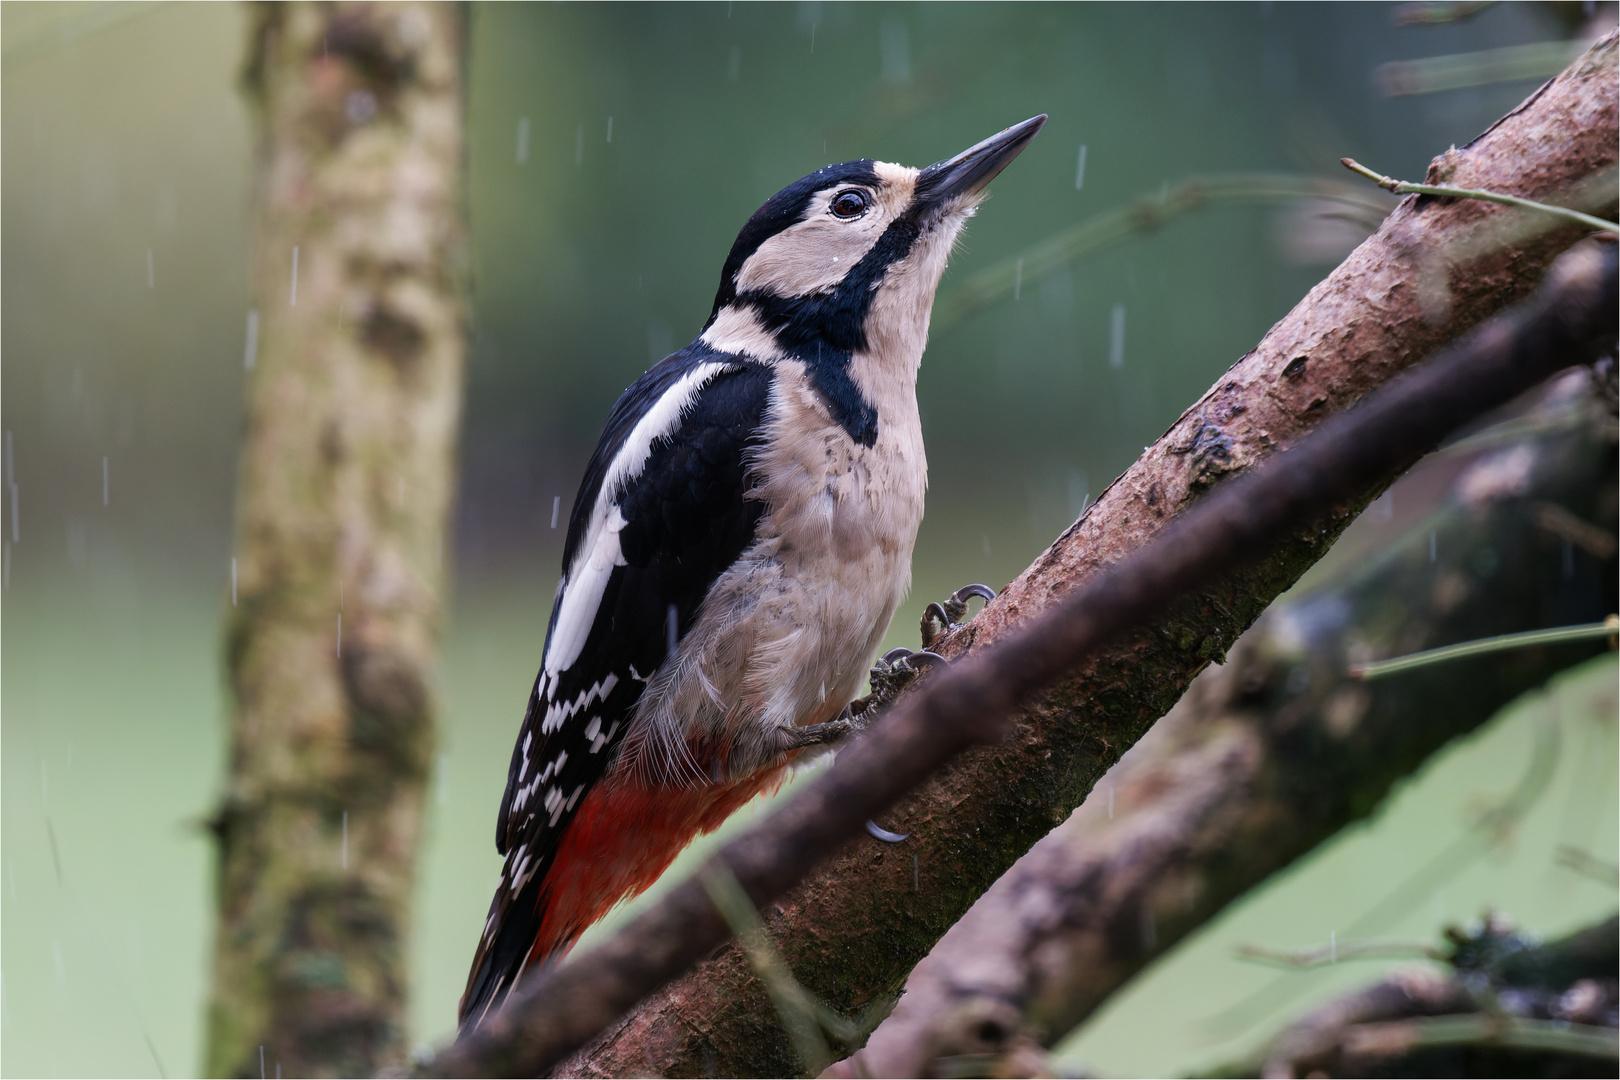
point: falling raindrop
(261, 1045)
(610, 129)
(340, 635)
(1080, 169)
(250, 349)
(5, 574)
(11, 484)
(151, 278)
(812, 37)
(579, 146)
(1079, 492)
(660, 340)
(1116, 337)
(294, 292)
(523, 140)
(1018, 278)
(556, 506)
(734, 64)
(895, 43)
(1333, 946)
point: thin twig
(1402, 187)
(1588, 865)
(802, 1016)
(1350, 949)
(1558, 635)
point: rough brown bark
(1276, 750)
(346, 480)
(855, 927)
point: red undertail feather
(625, 835)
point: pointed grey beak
(975, 167)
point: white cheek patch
(814, 255)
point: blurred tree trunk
(353, 403)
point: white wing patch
(600, 552)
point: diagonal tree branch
(853, 930)
(1271, 753)
(1571, 321)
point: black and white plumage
(738, 546)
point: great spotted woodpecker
(739, 543)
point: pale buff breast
(786, 636)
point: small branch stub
(1402, 187)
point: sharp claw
(957, 605)
(939, 619)
(967, 592)
(927, 659)
(885, 835)
(894, 656)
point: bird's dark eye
(849, 204)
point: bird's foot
(894, 671)
(939, 619)
(891, 673)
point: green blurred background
(613, 152)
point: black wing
(687, 517)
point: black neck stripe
(825, 330)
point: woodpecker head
(846, 261)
